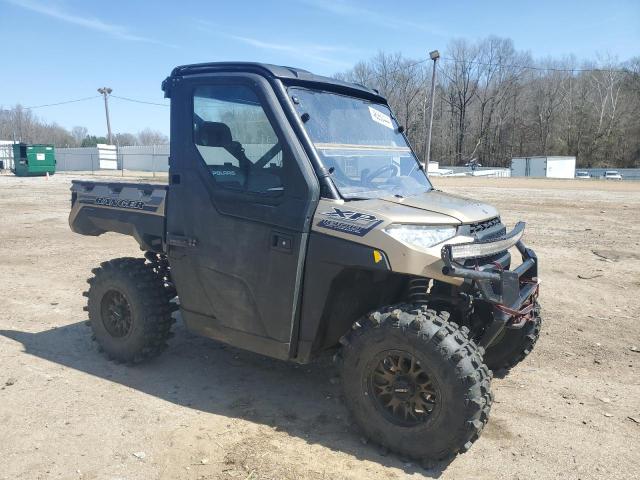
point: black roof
(289, 74)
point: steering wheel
(391, 167)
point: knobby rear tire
(149, 309)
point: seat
(214, 134)
(252, 177)
(217, 134)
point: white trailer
(545, 167)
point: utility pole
(426, 152)
(105, 91)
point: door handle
(181, 241)
(282, 242)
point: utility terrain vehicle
(298, 220)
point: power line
(530, 67)
(91, 98)
(139, 101)
(488, 64)
(369, 78)
(62, 103)
(397, 70)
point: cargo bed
(136, 209)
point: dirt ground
(206, 411)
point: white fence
(479, 172)
(84, 159)
(154, 158)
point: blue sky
(57, 50)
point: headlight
(420, 236)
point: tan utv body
(430, 209)
(298, 222)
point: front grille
(483, 231)
(482, 226)
(488, 229)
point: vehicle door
(241, 197)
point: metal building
(543, 167)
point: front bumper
(507, 290)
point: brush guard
(513, 293)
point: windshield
(359, 142)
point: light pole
(105, 91)
(434, 55)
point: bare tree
(151, 137)
(547, 93)
(125, 139)
(79, 134)
(20, 124)
(500, 73)
(462, 75)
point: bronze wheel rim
(116, 314)
(402, 389)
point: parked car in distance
(612, 175)
(583, 175)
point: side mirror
(400, 129)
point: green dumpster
(33, 160)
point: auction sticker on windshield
(381, 118)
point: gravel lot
(206, 411)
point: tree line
(21, 124)
(493, 102)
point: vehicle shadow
(301, 400)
